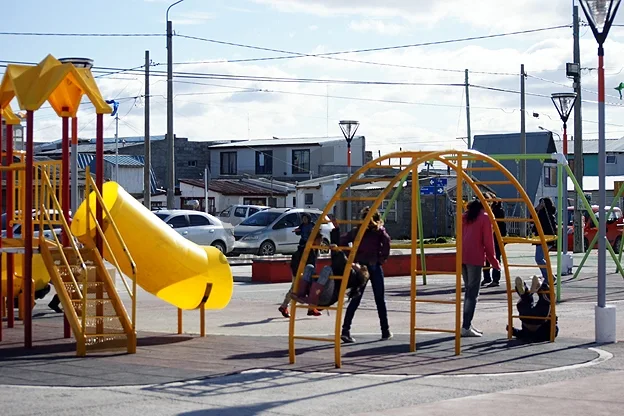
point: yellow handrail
(91, 187)
(66, 229)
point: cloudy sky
(411, 115)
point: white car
(235, 214)
(200, 228)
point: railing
(90, 186)
(47, 198)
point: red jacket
(478, 242)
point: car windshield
(261, 219)
(162, 216)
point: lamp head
(564, 102)
(349, 127)
(600, 15)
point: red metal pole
(565, 140)
(28, 230)
(65, 175)
(99, 169)
(6, 222)
(65, 198)
(10, 194)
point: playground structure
(109, 226)
(463, 163)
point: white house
(317, 193)
(286, 159)
(130, 172)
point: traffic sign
(438, 182)
(428, 190)
(439, 190)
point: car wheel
(325, 243)
(267, 248)
(220, 246)
(617, 243)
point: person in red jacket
(477, 246)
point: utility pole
(147, 184)
(117, 147)
(170, 136)
(468, 132)
(578, 138)
(523, 228)
(206, 188)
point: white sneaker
(470, 333)
(519, 286)
(536, 283)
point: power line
(331, 55)
(103, 35)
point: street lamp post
(349, 127)
(170, 140)
(564, 103)
(600, 15)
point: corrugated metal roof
(85, 160)
(123, 160)
(276, 141)
(234, 187)
(591, 146)
(90, 148)
(536, 142)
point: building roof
(590, 183)
(234, 187)
(591, 146)
(276, 141)
(89, 148)
(317, 182)
(123, 160)
(492, 144)
(271, 184)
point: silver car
(200, 228)
(271, 231)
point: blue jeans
(540, 259)
(472, 279)
(377, 280)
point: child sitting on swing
(324, 291)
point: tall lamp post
(564, 103)
(170, 140)
(349, 127)
(600, 15)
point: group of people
(478, 249)
(372, 252)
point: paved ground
(241, 367)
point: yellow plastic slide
(39, 273)
(169, 266)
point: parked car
(271, 231)
(235, 214)
(615, 223)
(47, 231)
(200, 228)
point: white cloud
(192, 18)
(377, 26)
(313, 28)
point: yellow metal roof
(9, 116)
(62, 85)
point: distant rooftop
(590, 146)
(277, 141)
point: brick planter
(277, 270)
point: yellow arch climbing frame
(454, 160)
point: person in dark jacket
(546, 215)
(325, 291)
(294, 266)
(373, 251)
(304, 230)
(494, 279)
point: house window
(391, 216)
(264, 162)
(192, 163)
(228, 163)
(254, 201)
(611, 160)
(550, 175)
(309, 199)
(301, 161)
